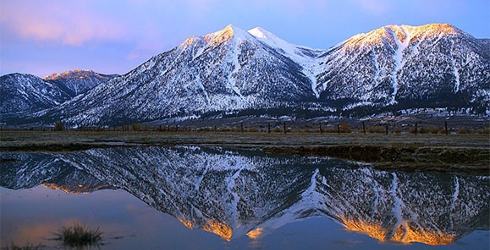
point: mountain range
(22, 95)
(233, 72)
(233, 193)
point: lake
(218, 198)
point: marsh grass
(12, 246)
(79, 237)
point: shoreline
(422, 152)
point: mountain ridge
(78, 81)
(396, 52)
(230, 71)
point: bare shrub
(79, 237)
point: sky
(113, 37)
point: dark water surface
(214, 198)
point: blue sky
(44, 37)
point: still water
(215, 198)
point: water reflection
(248, 193)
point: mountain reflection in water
(234, 193)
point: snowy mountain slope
(222, 71)
(305, 57)
(485, 42)
(31, 170)
(408, 66)
(24, 93)
(234, 193)
(78, 81)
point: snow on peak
(273, 41)
(226, 34)
(400, 33)
(77, 73)
(436, 29)
(261, 33)
(423, 32)
(233, 34)
(433, 28)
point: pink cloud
(74, 24)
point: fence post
(269, 128)
(321, 129)
(363, 127)
(241, 126)
(386, 129)
(445, 127)
(285, 129)
(415, 128)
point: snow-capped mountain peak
(407, 65)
